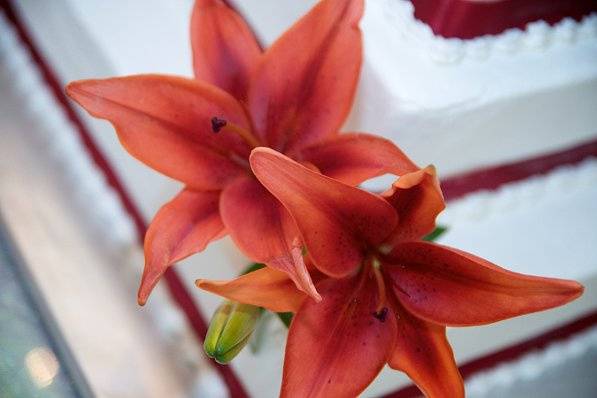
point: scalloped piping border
(537, 36)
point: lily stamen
(381, 286)
(218, 125)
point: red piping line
(491, 178)
(178, 290)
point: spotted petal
(424, 354)
(454, 288)
(336, 221)
(337, 347)
(264, 231)
(165, 122)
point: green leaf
(252, 267)
(436, 233)
(285, 317)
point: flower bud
(230, 329)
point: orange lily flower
(388, 296)
(293, 97)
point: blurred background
(500, 96)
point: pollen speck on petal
(381, 315)
(217, 124)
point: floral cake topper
(255, 140)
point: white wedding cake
(464, 105)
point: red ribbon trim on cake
(493, 177)
(467, 19)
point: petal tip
(315, 296)
(77, 90)
(141, 300)
(259, 152)
(431, 170)
(148, 282)
(143, 294)
(71, 88)
(576, 290)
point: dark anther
(381, 315)
(217, 124)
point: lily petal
(165, 122)
(264, 231)
(225, 50)
(454, 288)
(337, 347)
(265, 287)
(424, 354)
(336, 221)
(356, 157)
(304, 88)
(418, 199)
(183, 226)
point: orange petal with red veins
(454, 288)
(304, 89)
(424, 354)
(355, 157)
(183, 226)
(165, 122)
(266, 288)
(337, 347)
(225, 51)
(418, 199)
(337, 222)
(264, 231)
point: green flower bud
(230, 329)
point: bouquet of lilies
(255, 140)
